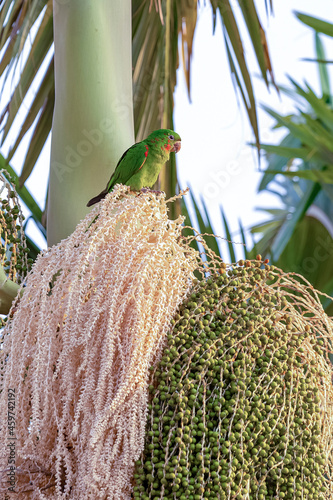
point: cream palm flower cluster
(91, 321)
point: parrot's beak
(176, 147)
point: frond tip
(91, 321)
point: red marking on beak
(176, 147)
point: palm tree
(93, 117)
(92, 124)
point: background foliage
(297, 237)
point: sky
(216, 160)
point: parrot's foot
(147, 190)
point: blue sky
(215, 159)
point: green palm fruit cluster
(13, 248)
(236, 402)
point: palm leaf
(322, 69)
(270, 9)
(228, 235)
(258, 38)
(188, 16)
(189, 223)
(276, 161)
(242, 232)
(288, 227)
(34, 250)
(309, 253)
(321, 176)
(308, 132)
(45, 90)
(322, 110)
(317, 24)
(315, 59)
(204, 225)
(236, 53)
(39, 49)
(304, 153)
(202, 221)
(38, 139)
(208, 228)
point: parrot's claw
(147, 190)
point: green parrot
(141, 163)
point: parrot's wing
(129, 164)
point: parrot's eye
(171, 137)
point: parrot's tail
(97, 198)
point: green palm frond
(309, 141)
(294, 237)
(304, 242)
(315, 23)
(305, 155)
(323, 72)
(201, 220)
(247, 253)
(228, 236)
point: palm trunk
(93, 115)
